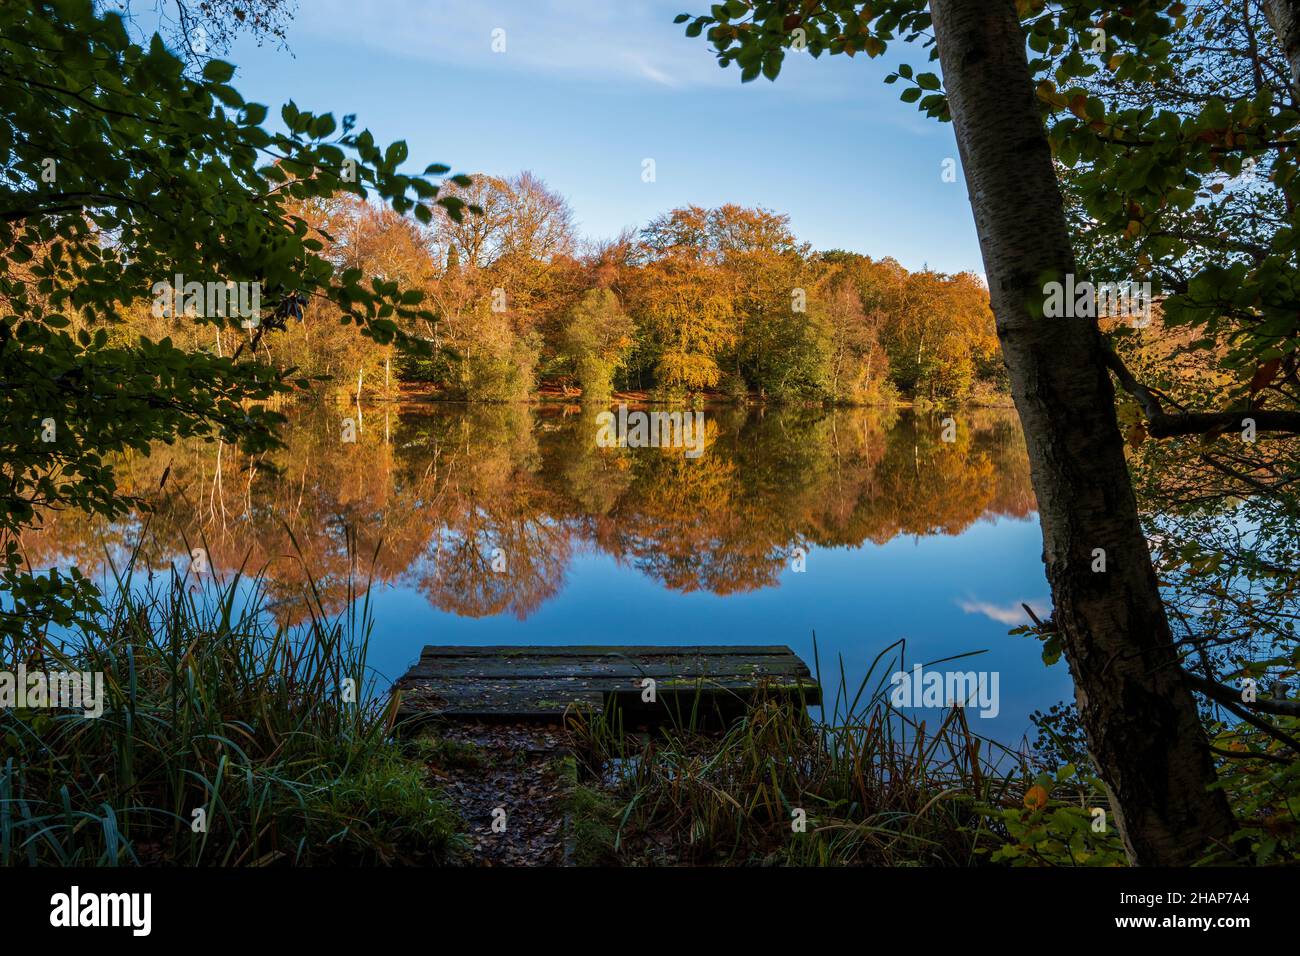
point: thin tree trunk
(361, 371)
(1284, 17)
(1140, 717)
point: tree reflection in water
(427, 495)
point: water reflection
(481, 508)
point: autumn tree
(687, 322)
(383, 247)
(718, 235)
(854, 365)
(598, 336)
(763, 272)
(937, 329)
(506, 262)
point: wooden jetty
(542, 683)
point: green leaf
(218, 71)
(396, 154)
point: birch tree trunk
(1284, 17)
(1140, 717)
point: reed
(874, 785)
(214, 711)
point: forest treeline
(723, 301)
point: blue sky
(588, 89)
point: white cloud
(651, 73)
(1009, 614)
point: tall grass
(875, 785)
(226, 739)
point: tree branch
(1161, 424)
(1226, 695)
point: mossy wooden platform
(541, 683)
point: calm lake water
(511, 525)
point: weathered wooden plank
(531, 682)
(552, 700)
(485, 668)
(605, 650)
(488, 701)
(458, 690)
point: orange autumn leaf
(1036, 798)
(1264, 375)
(1048, 93)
